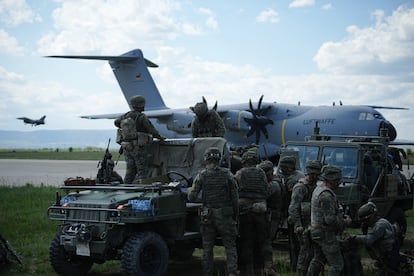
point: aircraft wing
(150, 114)
(402, 142)
(387, 107)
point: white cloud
(112, 27)
(16, 12)
(301, 3)
(9, 44)
(327, 6)
(386, 48)
(211, 21)
(268, 15)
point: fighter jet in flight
(37, 122)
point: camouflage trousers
(225, 227)
(137, 162)
(255, 248)
(326, 250)
(305, 252)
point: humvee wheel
(65, 263)
(145, 254)
(170, 175)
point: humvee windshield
(345, 158)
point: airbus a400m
(268, 124)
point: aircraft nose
(392, 132)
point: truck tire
(145, 254)
(65, 263)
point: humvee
(142, 225)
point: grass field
(23, 221)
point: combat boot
(269, 271)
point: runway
(18, 172)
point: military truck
(371, 169)
(142, 225)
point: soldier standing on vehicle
(206, 123)
(380, 241)
(135, 135)
(254, 227)
(300, 214)
(326, 222)
(220, 211)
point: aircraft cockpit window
(343, 158)
(366, 116)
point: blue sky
(315, 52)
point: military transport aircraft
(272, 123)
(37, 122)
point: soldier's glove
(299, 230)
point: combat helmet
(313, 167)
(332, 174)
(287, 163)
(367, 212)
(266, 166)
(200, 109)
(137, 101)
(250, 156)
(212, 154)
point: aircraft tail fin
(133, 76)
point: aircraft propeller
(259, 121)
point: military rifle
(105, 171)
(10, 253)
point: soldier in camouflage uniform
(286, 177)
(300, 213)
(136, 154)
(380, 241)
(220, 210)
(326, 222)
(254, 225)
(206, 123)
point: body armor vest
(317, 214)
(206, 126)
(216, 192)
(252, 184)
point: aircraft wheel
(145, 254)
(65, 263)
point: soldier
(267, 167)
(219, 215)
(254, 228)
(135, 134)
(300, 213)
(326, 222)
(286, 177)
(206, 123)
(380, 241)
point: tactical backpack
(128, 129)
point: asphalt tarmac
(17, 172)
